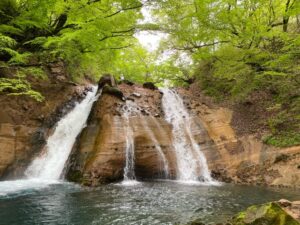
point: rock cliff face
(25, 124)
(99, 155)
(242, 158)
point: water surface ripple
(146, 203)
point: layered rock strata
(25, 123)
(241, 158)
(99, 155)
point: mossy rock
(266, 214)
(113, 91)
(74, 176)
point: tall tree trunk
(286, 18)
(285, 23)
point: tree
(86, 34)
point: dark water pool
(146, 203)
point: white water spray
(129, 173)
(46, 169)
(50, 164)
(157, 147)
(191, 162)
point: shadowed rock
(150, 85)
(107, 79)
(113, 91)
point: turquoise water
(160, 202)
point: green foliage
(35, 72)
(88, 35)
(283, 139)
(241, 47)
(18, 86)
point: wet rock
(281, 158)
(113, 91)
(99, 157)
(196, 222)
(130, 99)
(292, 208)
(107, 79)
(128, 82)
(284, 203)
(150, 85)
(266, 214)
(135, 94)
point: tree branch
(116, 48)
(124, 9)
(192, 48)
(114, 36)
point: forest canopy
(230, 48)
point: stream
(43, 197)
(155, 202)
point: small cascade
(129, 174)
(158, 148)
(129, 110)
(191, 162)
(50, 164)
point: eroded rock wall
(242, 158)
(99, 155)
(25, 123)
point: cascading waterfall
(50, 164)
(131, 109)
(129, 174)
(191, 162)
(157, 147)
(47, 168)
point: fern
(11, 30)
(6, 41)
(19, 86)
(19, 58)
(36, 72)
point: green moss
(266, 214)
(283, 139)
(75, 176)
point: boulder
(150, 85)
(292, 208)
(266, 214)
(107, 79)
(113, 91)
(137, 95)
(128, 82)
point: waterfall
(191, 162)
(129, 173)
(157, 147)
(47, 168)
(132, 109)
(50, 164)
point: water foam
(191, 163)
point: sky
(150, 40)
